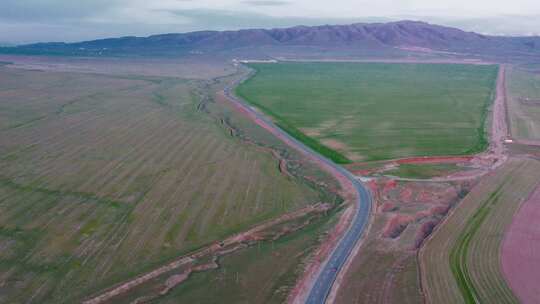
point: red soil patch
(388, 206)
(423, 214)
(406, 195)
(520, 255)
(435, 160)
(426, 197)
(362, 172)
(395, 226)
(423, 232)
(372, 185)
(440, 210)
(389, 185)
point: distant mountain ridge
(372, 36)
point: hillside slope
(370, 36)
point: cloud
(73, 20)
(265, 2)
(54, 10)
(212, 19)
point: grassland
(461, 262)
(105, 177)
(373, 111)
(425, 171)
(524, 103)
(251, 276)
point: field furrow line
(149, 202)
(193, 202)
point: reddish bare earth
(520, 255)
(405, 214)
(435, 160)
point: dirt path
(499, 125)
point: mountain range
(358, 38)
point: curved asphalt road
(324, 282)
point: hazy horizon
(62, 20)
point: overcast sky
(23, 21)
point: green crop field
(372, 111)
(105, 177)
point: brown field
(104, 177)
(472, 236)
(519, 256)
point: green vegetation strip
(459, 253)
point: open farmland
(371, 111)
(460, 263)
(524, 103)
(104, 177)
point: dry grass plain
(460, 263)
(107, 176)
